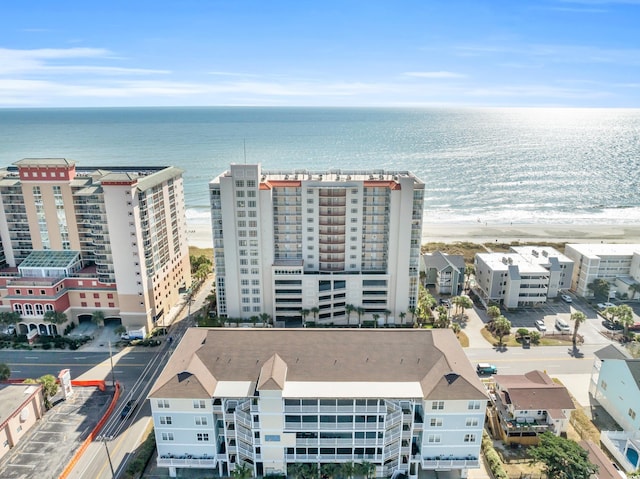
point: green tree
(367, 469)
(360, 312)
(5, 372)
(625, 316)
(330, 470)
(347, 469)
(375, 316)
(254, 320)
(442, 319)
(600, 288)
(412, 311)
(49, 387)
(55, 317)
(242, 471)
(493, 312)
(315, 310)
(97, 317)
(634, 289)
(9, 318)
(305, 314)
(462, 302)
(502, 328)
(578, 317)
(402, 315)
(265, 318)
(562, 458)
(349, 308)
(469, 271)
(386, 313)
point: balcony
(449, 463)
(189, 461)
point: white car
(540, 325)
(566, 298)
(561, 325)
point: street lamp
(104, 441)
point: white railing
(193, 463)
(449, 463)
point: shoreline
(199, 234)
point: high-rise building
(78, 240)
(336, 247)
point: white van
(561, 325)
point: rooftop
(50, 259)
(319, 363)
(12, 396)
(605, 249)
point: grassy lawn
(511, 341)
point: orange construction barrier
(94, 432)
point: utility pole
(104, 441)
(113, 375)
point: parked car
(540, 325)
(562, 326)
(128, 408)
(486, 368)
(566, 298)
(602, 306)
(445, 302)
(612, 325)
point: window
(434, 438)
(165, 420)
(198, 404)
(469, 438)
(167, 436)
(472, 422)
(435, 422)
(272, 438)
(201, 420)
(202, 436)
(474, 405)
(17, 308)
(163, 403)
(632, 413)
(437, 405)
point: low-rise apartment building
(444, 272)
(403, 400)
(619, 264)
(525, 276)
(81, 239)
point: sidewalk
(473, 327)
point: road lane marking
(31, 357)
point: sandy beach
(199, 234)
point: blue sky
(576, 53)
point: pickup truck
(486, 368)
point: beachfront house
(443, 272)
(401, 401)
(615, 385)
(524, 406)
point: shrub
(492, 458)
(522, 332)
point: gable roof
(533, 390)
(439, 260)
(328, 361)
(611, 352)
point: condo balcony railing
(329, 457)
(187, 461)
(326, 442)
(455, 463)
(332, 193)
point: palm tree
(502, 328)
(360, 311)
(634, 288)
(329, 470)
(456, 328)
(578, 317)
(265, 318)
(443, 317)
(347, 469)
(625, 315)
(376, 317)
(55, 317)
(469, 271)
(349, 308)
(493, 312)
(5, 372)
(386, 313)
(9, 318)
(412, 310)
(366, 469)
(402, 315)
(315, 312)
(464, 302)
(242, 471)
(254, 320)
(97, 317)
(305, 313)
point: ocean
(499, 166)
